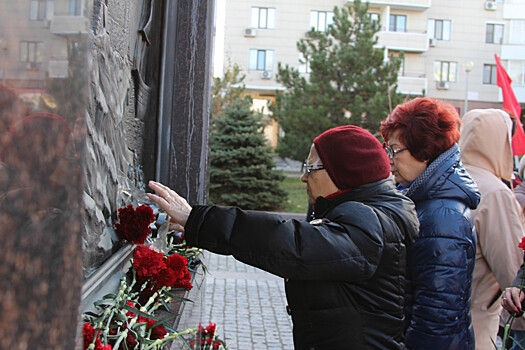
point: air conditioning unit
(490, 5)
(442, 85)
(431, 42)
(251, 32)
(266, 75)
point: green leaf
(186, 342)
(170, 329)
(109, 296)
(120, 317)
(138, 312)
(139, 324)
(101, 303)
(165, 305)
(173, 296)
(164, 320)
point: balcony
(404, 41)
(66, 25)
(512, 52)
(412, 5)
(408, 85)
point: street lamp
(467, 66)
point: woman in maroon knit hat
(421, 138)
(343, 268)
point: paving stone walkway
(247, 304)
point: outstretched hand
(173, 204)
(512, 298)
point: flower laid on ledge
(90, 340)
(133, 225)
(206, 338)
(154, 271)
(127, 319)
(122, 323)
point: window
(439, 29)
(494, 33)
(304, 64)
(31, 51)
(398, 23)
(445, 71)
(75, 7)
(517, 32)
(261, 59)
(320, 20)
(489, 74)
(38, 9)
(262, 17)
(374, 17)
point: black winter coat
(344, 274)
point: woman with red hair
(421, 141)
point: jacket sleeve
(439, 270)
(347, 249)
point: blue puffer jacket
(440, 263)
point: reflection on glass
(42, 94)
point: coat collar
(360, 194)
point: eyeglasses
(310, 168)
(391, 153)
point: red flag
(511, 106)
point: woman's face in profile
(404, 166)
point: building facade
(448, 45)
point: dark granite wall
(148, 109)
(184, 117)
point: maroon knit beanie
(352, 156)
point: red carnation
(156, 333)
(522, 244)
(210, 330)
(147, 262)
(184, 282)
(156, 271)
(178, 264)
(165, 277)
(133, 225)
(88, 333)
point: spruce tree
(241, 165)
(349, 83)
(226, 89)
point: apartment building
(448, 45)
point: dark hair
(426, 126)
